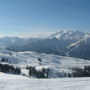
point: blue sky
(39, 17)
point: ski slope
(55, 62)
(17, 82)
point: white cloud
(26, 35)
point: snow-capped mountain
(66, 43)
(81, 48)
(77, 43)
(68, 35)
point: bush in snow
(4, 60)
(40, 61)
(17, 70)
(64, 74)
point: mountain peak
(67, 35)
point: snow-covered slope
(76, 43)
(16, 82)
(81, 48)
(56, 63)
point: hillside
(57, 64)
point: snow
(25, 71)
(67, 35)
(54, 62)
(74, 44)
(17, 82)
(39, 68)
(87, 35)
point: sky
(41, 17)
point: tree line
(43, 73)
(6, 68)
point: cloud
(42, 34)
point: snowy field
(17, 82)
(58, 63)
(55, 62)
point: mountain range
(65, 43)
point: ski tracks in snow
(45, 84)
